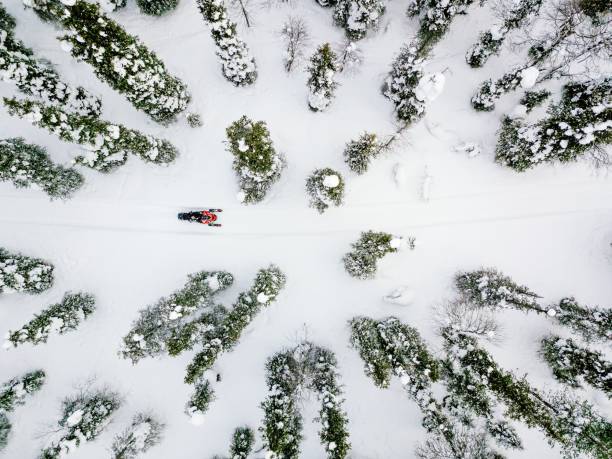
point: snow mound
(331, 181)
(399, 175)
(430, 87)
(397, 243)
(529, 77)
(402, 296)
(471, 148)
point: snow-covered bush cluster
(289, 373)
(161, 327)
(436, 18)
(489, 91)
(322, 78)
(362, 261)
(571, 364)
(20, 273)
(358, 16)
(111, 5)
(256, 163)
(106, 144)
(117, 57)
(580, 122)
(243, 441)
(19, 66)
(28, 166)
(84, 417)
(236, 60)
(58, 318)
(156, 7)
(592, 323)
(533, 99)
(358, 154)
(144, 432)
(325, 188)
(490, 41)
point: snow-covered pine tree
(238, 64)
(112, 5)
(321, 82)
(59, 318)
(402, 81)
(144, 433)
(199, 402)
(14, 393)
(20, 273)
(580, 122)
(571, 364)
(358, 16)
(5, 430)
(156, 7)
(164, 322)
(28, 165)
(256, 163)
(592, 323)
(533, 99)
(117, 57)
(19, 66)
(325, 188)
(358, 154)
(267, 285)
(106, 144)
(490, 41)
(84, 417)
(489, 288)
(437, 17)
(243, 441)
(361, 262)
(306, 366)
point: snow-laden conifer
(14, 393)
(156, 7)
(362, 261)
(357, 17)
(591, 322)
(322, 78)
(358, 154)
(325, 188)
(20, 273)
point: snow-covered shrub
(19, 66)
(256, 162)
(112, 5)
(58, 318)
(288, 373)
(592, 323)
(144, 433)
(5, 430)
(325, 188)
(490, 41)
(402, 81)
(358, 154)
(13, 393)
(156, 7)
(267, 285)
(437, 18)
(117, 57)
(161, 324)
(202, 397)
(84, 417)
(533, 99)
(488, 288)
(358, 16)
(106, 144)
(361, 262)
(28, 165)
(321, 82)
(238, 64)
(243, 441)
(20, 273)
(580, 122)
(489, 91)
(571, 363)
(296, 35)
(194, 120)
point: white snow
(74, 418)
(402, 296)
(242, 146)
(529, 76)
(400, 175)
(262, 298)
(430, 87)
(331, 181)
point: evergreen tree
(203, 395)
(156, 7)
(20, 273)
(289, 372)
(236, 60)
(488, 288)
(58, 318)
(571, 363)
(144, 433)
(593, 323)
(28, 165)
(402, 81)
(107, 144)
(112, 5)
(490, 41)
(325, 188)
(5, 430)
(533, 99)
(577, 124)
(13, 393)
(437, 17)
(117, 57)
(358, 16)
(162, 326)
(361, 262)
(256, 162)
(19, 66)
(358, 154)
(267, 285)
(243, 441)
(321, 82)
(84, 417)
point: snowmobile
(205, 217)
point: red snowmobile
(205, 217)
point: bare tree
(242, 6)
(350, 57)
(464, 317)
(295, 33)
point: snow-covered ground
(118, 238)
